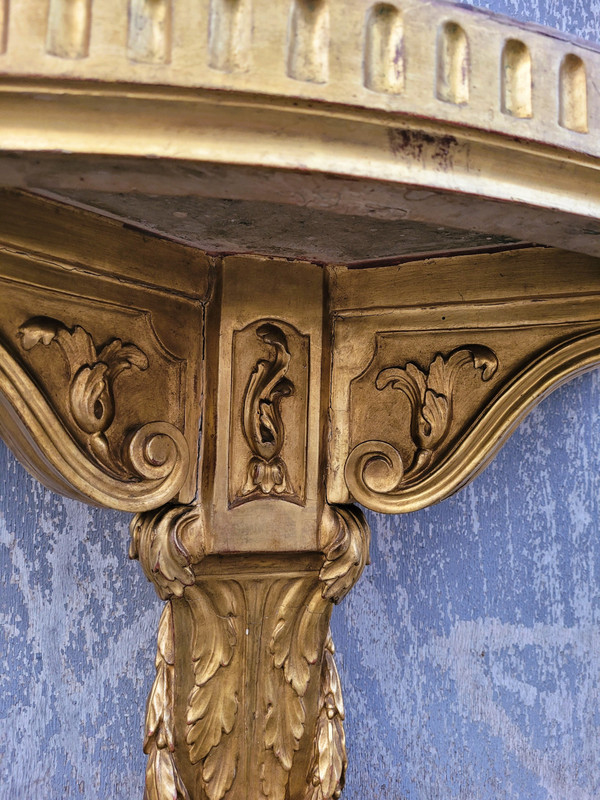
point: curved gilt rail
(375, 473)
(433, 60)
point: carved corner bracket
(374, 470)
(336, 385)
(384, 403)
(64, 440)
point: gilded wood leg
(246, 702)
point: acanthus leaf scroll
(92, 373)
(261, 417)
(431, 397)
(152, 459)
(375, 469)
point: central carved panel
(269, 407)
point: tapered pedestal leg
(246, 701)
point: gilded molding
(374, 470)
(159, 46)
(72, 457)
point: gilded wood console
(239, 397)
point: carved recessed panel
(101, 415)
(431, 408)
(269, 407)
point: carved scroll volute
(376, 468)
(263, 705)
(431, 395)
(454, 435)
(67, 444)
(92, 375)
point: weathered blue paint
(469, 652)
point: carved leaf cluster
(295, 647)
(213, 702)
(431, 396)
(328, 763)
(91, 374)
(157, 539)
(346, 537)
(163, 781)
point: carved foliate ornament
(269, 413)
(92, 373)
(257, 687)
(69, 437)
(262, 424)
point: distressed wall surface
(470, 651)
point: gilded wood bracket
(241, 404)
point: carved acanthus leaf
(261, 418)
(163, 781)
(328, 763)
(167, 543)
(216, 610)
(345, 536)
(92, 374)
(431, 396)
(73, 454)
(375, 472)
(296, 641)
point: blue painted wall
(469, 652)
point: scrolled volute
(91, 377)
(345, 537)
(375, 473)
(69, 451)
